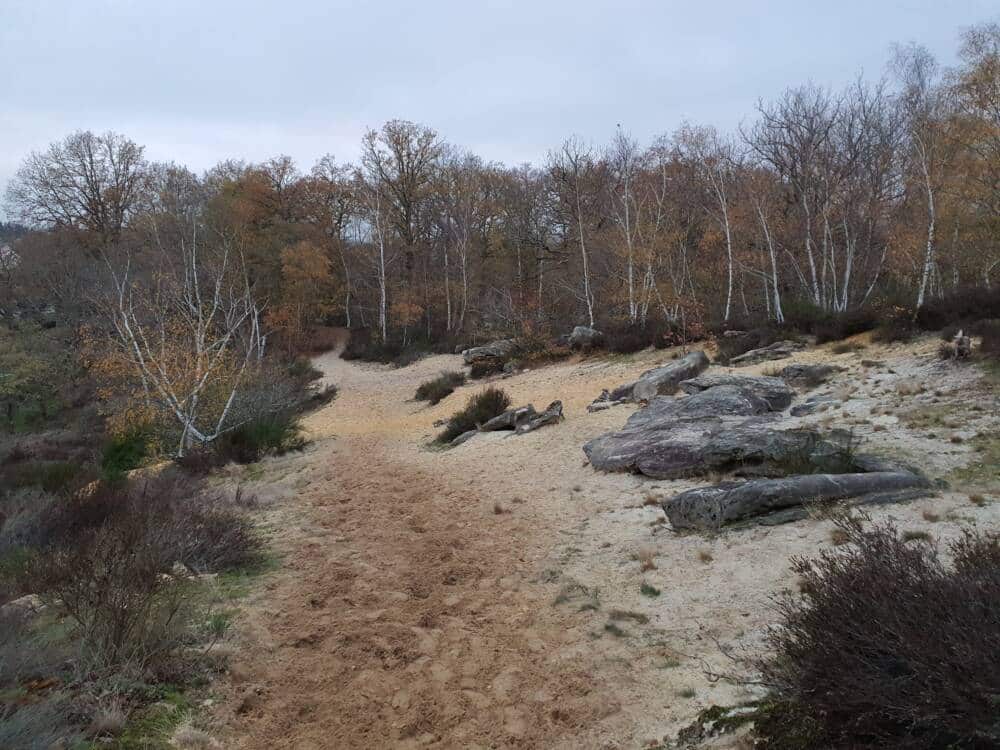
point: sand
(489, 595)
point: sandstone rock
(553, 413)
(707, 508)
(773, 390)
(496, 350)
(808, 375)
(585, 338)
(465, 436)
(510, 419)
(814, 404)
(662, 380)
(777, 350)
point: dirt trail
(489, 596)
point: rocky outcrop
(510, 419)
(604, 401)
(553, 413)
(495, 351)
(773, 390)
(708, 508)
(662, 380)
(813, 404)
(777, 350)
(808, 376)
(465, 436)
(719, 428)
(585, 338)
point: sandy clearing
(408, 612)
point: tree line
(882, 193)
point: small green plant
(124, 453)
(649, 590)
(276, 434)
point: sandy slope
(467, 598)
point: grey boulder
(553, 413)
(808, 375)
(777, 350)
(502, 350)
(585, 338)
(662, 380)
(510, 419)
(708, 508)
(773, 390)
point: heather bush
(480, 408)
(439, 388)
(887, 646)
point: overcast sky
(197, 81)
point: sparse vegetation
(479, 409)
(888, 647)
(439, 388)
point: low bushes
(480, 408)
(888, 647)
(117, 568)
(959, 308)
(275, 434)
(123, 453)
(439, 388)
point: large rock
(777, 350)
(773, 390)
(496, 350)
(510, 419)
(693, 446)
(553, 413)
(585, 338)
(708, 508)
(808, 376)
(662, 380)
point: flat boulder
(777, 350)
(709, 508)
(585, 338)
(496, 350)
(553, 413)
(773, 390)
(808, 376)
(663, 380)
(510, 419)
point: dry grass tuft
(705, 556)
(646, 557)
(839, 536)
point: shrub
(50, 476)
(275, 434)
(959, 308)
(486, 367)
(896, 326)
(439, 388)
(887, 647)
(108, 561)
(480, 408)
(844, 325)
(989, 330)
(124, 453)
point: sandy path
(489, 596)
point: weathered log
(707, 508)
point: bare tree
(573, 170)
(399, 161)
(190, 332)
(924, 105)
(86, 181)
